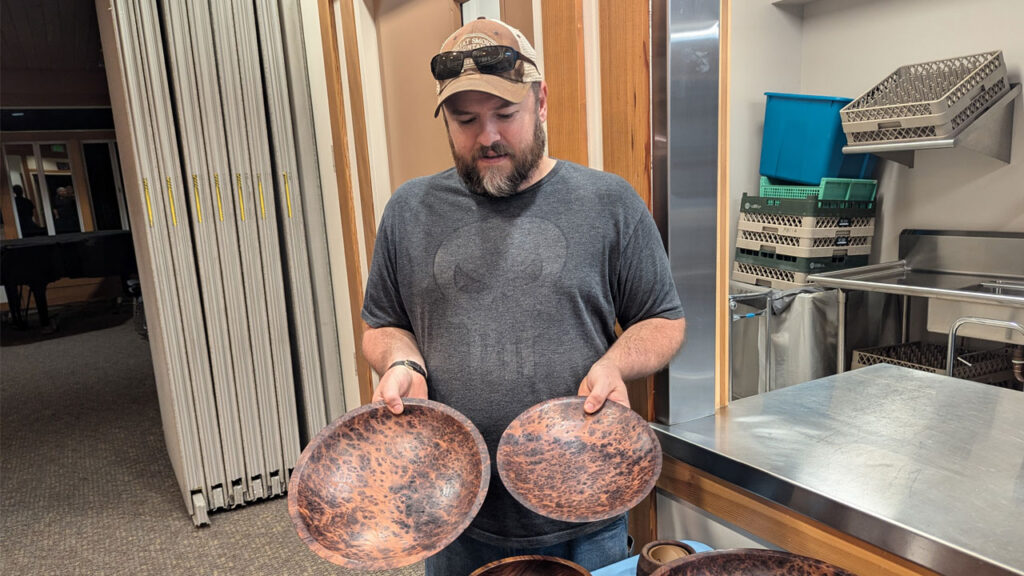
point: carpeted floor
(86, 486)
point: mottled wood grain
(375, 490)
(749, 562)
(568, 465)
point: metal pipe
(841, 338)
(905, 324)
(1018, 363)
(951, 351)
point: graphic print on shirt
(495, 277)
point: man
(65, 211)
(497, 285)
(26, 211)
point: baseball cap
(511, 85)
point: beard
(499, 181)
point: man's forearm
(383, 346)
(646, 347)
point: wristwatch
(411, 365)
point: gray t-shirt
(512, 300)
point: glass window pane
(102, 186)
(60, 183)
(25, 197)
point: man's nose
(488, 133)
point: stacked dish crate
(926, 101)
(815, 208)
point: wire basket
(927, 100)
(989, 366)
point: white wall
(764, 57)
(848, 46)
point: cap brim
(489, 83)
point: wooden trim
(355, 94)
(562, 25)
(519, 15)
(625, 102)
(626, 92)
(723, 316)
(339, 133)
(779, 525)
(643, 522)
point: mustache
(498, 148)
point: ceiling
(50, 54)
(58, 35)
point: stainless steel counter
(928, 467)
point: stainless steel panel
(928, 467)
(685, 92)
(964, 252)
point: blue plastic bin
(803, 140)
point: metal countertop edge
(901, 540)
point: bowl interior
(749, 562)
(568, 465)
(375, 490)
(531, 566)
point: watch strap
(411, 365)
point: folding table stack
(219, 213)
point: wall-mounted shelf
(990, 134)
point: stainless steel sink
(961, 273)
(1000, 287)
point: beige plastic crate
(766, 276)
(804, 247)
(927, 100)
(807, 226)
(989, 366)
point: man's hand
(603, 382)
(397, 383)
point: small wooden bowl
(376, 490)
(656, 554)
(565, 464)
(749, 562)
(531, 566)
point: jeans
(592, 551)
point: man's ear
(542, 101)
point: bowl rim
(405, 559)
(664, 569)
(610, 407)
(479, 571)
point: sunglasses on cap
(488, 60)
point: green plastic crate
(799, 264)
(807, 207)
(828, 189)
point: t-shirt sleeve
(644, 285)
(382, 303)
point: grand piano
(36, 262)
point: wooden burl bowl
(749, 562)
(566, 464)
(656, 554)
(531, 566)
(376, 490)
